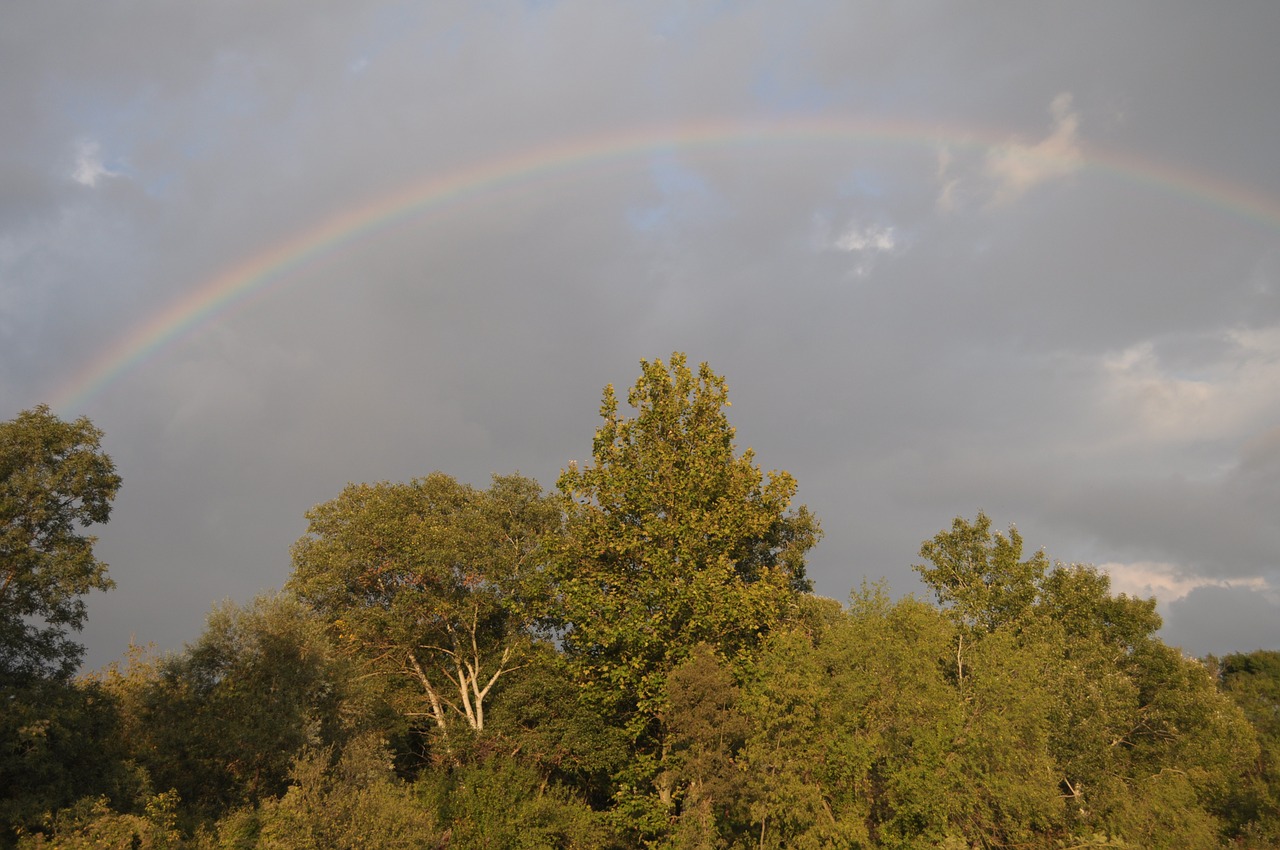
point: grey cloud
(1220, 620)
(965, 371)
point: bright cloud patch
(864, 242)
(1013, 168)
(1152, 403)
(89, 168)
(873, 239)
(1165, 582)
(1016, 168)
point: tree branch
(436, 710)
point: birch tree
(432, 580)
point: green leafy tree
(433, 581)
(92, 824)
(862, 736)
(55, 480)
(55, 736)
(222, 721)
(1252, 681)
(1143, 747)
(850, 721)
(981, 575)
(673, 539)
(705, 733)
(543, 722)
(62, 741)
(353, 802)
(1184, 747)
(503, 802)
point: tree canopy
(55, 481)
(672, 538)
(433, 580)
(634, 661)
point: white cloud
(1148, 402)
(89, 167)
(1017, 167)
(1166, 582)
(1012, 168)
(1162, 406)
(872, 239)
(864, 242)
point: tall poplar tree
(672, 539)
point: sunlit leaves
(434, 580)
(673, 539)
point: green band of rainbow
(275, 264)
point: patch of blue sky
(116, 164)
(105, 131)
(673, 177)
(684, 195)
(229, 96)
(864, 183)
(684, 22)
(784, 92)
(388, 26)
(158, 185)
(107, 118)
(647, 219)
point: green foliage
(1252, 681)
(93, 825)
(1163, 811)
(673, 539)
(502, 803)
(542, 720)
(865, 737)
(222, 721)
(356, 803)
(1145, 745)
(61, 742)
(56, 736)
(667, 681)
(433, 581)
(849, 725)
(54, 481)
(1078, 597)
(1036, 711)
(705, 732)
(979, 574)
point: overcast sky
(950, 257)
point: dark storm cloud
(991, 314)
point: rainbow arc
(252, 275)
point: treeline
(633, 660)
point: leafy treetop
(672, 538)
(54, 481)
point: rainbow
(277, 263)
